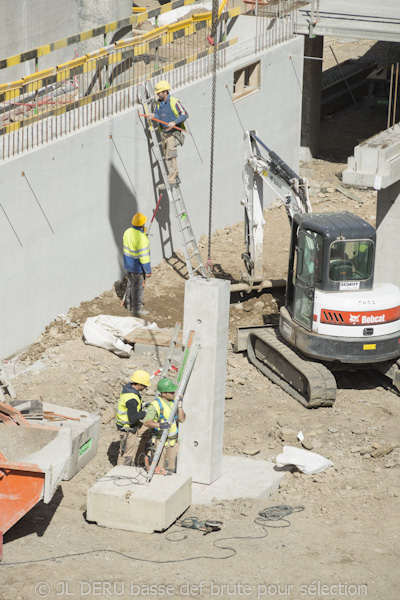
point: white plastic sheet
(106, 331)
(306, 461)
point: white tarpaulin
(306, 461)
(106, 331)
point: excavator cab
(330, 252)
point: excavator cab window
(351, 260)
(305, 269)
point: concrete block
(134, 507)
(47, 447)
(84, 436)
(240, 478)
(387, 235)
(376, 162)
(206, 310)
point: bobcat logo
(354, 319)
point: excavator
(335, 316)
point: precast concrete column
(206, 310)
(387, 233)
(311, 107)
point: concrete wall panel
(90, 186)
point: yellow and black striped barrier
(135, 19)
(60, 110)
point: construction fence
(46, 105)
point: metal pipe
(390, 97)
(266, 283)
(395, 94)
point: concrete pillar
(311, 108)
(206, 310)
(387, 227)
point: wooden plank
(152, 337)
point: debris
(108, 415)
(288, 435)
(251, 451)
(333, 430)
(307, 462)
(350, 195)
(382, 451)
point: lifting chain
(214, 34)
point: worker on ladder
(136, 249)
(170, 111)
(156, 418)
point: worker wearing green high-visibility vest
(156, 419)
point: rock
(259, 305)
(281, 421)
(382, 451)
(307, 444)
(366, 450)
(251, 451)
(108, 415)
(333, 430)
(100, 402)
(359, 430)
(228, 395)
(355, 449)
(390, 464)
(288, 435)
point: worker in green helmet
(156, 419)
(129, 420)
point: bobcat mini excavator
(335, 317)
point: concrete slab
(120, 500)
(240, 478)
(376, 162)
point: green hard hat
(166, 385)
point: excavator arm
(264, 165)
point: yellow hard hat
(138, 220)
(162, 86)
(142, 377)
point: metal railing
(42, 107)
(276, 20)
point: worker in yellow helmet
(170, 111)
(129, 414)
(137, 263)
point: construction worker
(156, 418)
(129, 415)
(171, 111)
(137, 263)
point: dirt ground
(345, 541)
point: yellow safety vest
(172, 102)
(122, 410)
(163, 409)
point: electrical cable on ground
(274, 513)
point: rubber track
(321, 382)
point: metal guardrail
(46, 105)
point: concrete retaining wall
(89, 189)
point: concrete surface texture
(26, 24)
(376, 162)
(365, 19)
(206, 311)
(121, 500)
(387, 243)
(89, 189)
(94, 13)
(240, 478)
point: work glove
(164, 426)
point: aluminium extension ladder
(190, 248)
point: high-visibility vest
(136, 251)
(122, 410)
(163, 409)
(173, 102)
